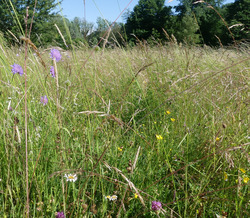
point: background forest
(194, 22)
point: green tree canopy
(13, 12)
(210, 27)
(148, 18)
(238, 18)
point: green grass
(206, 93)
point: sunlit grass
(115, 128)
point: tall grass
(101, 123)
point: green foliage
(203, 20)
(186, 29)
(106, 29)
(80, 30)
(211, 26)
(13, 12)
(147, 19)
(238, 18)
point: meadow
(127, 132)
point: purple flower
(156, 205)
(44, 100)
(16, 68)
(60, 215)
(55, 54)
(52, 71)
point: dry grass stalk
(60, 33)
(13, 36)
(29, 42)
(105, 40)
(131, 185)
(219, 41)
(136, 158)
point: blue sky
(108, 9)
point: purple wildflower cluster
(52, 71)
(156, 205)
(55, 54)
(44, 100)
(60, 215)
(16, 68)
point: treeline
(193, 22)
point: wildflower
(136, 195)
(168, 112)
(225, 176)
(44, 100)
(111, 198)
(217, 139)
(60, 215)
(172, 119)
(159, 137)
(108, 197)
(119, 148)
(16, 68)
(243, 170)
(55, 54)
(71, 177)
(52, 71)
(156, 205)
(245, 179)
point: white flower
(71, 177)
(111, 198)
(108, 197)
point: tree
(210, 26)
(147, 19)
(12, 18)
(107, 31)
(186, 29)
(238, 18)
(80, 29)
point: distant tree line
(193, 22)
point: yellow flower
(225, 176)
(168, 112)
(172, 119)
(136, 195)
(242, 170)
(159, 137)
(119, 149)
(245, 179)
(217, 139)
